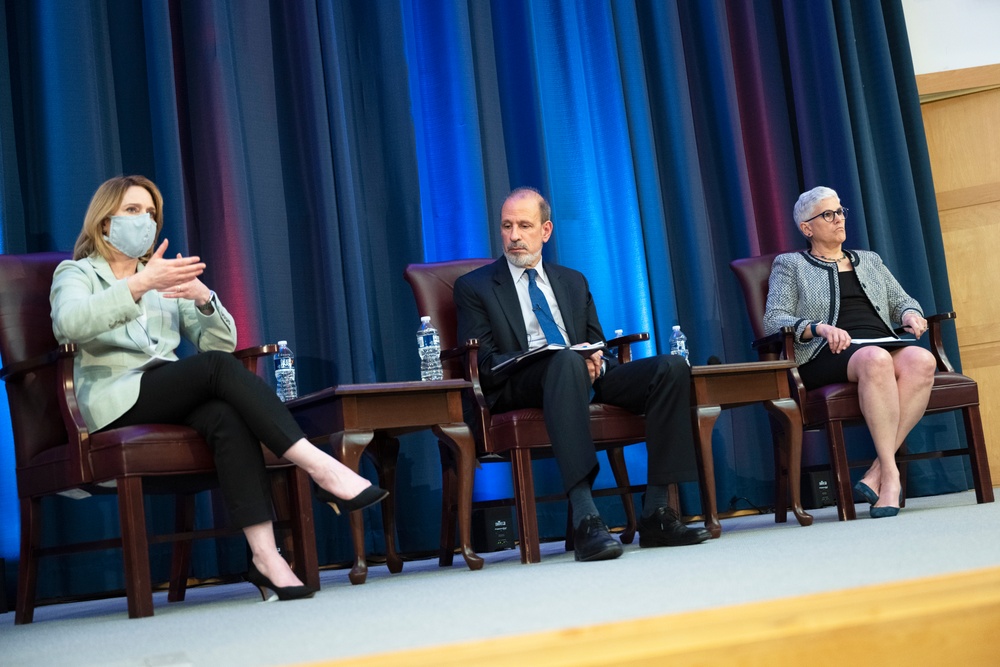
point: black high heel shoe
(866, 491)
(887, 511)
(264, 585)
(373, 494)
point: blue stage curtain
(309, 150)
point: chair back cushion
(26, 332)
(433, 288)
(753, 274)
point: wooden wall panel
(963, 137)
(960, 129)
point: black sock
(656, 497)
(582, 502)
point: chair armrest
(78, 436)
(250, 356)
(14, 372)
(779, 345)
(76, 428)
(944, 364)
(469, 353)
(624, 345)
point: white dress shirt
(535, 336)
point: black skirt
(859, 318)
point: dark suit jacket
(489, 311)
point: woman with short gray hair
(842, 305)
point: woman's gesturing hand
(167, 275)
(194, 289)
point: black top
(857, 314)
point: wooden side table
(719, 386)
(354, 416)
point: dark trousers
(659, 387)
(234, 410)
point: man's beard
(521, 261)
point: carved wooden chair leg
(981, 478)
(524, 497)
(27, 571)
(180, 565)
(841, 471)
(135, 547)
(449, 505)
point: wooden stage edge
(947, 619)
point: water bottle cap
(282, 343)
(425, 318)
(677, 327)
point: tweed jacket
(803, 289)
(95, 310)
(489, 311)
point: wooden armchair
(55, 452)
(518, 435)
(832, 407)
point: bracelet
(812, 328)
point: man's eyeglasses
(830, 216)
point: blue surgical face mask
(131, 234)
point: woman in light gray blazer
(126, 306)
(842, 305)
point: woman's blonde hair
(103, 205)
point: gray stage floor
(424, 605)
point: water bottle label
(284, 362)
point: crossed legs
(236, 411)
(893, 389)
(328, 473)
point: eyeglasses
(830, 216)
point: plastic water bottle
(679, 344)
(284, 372)
(429, 348)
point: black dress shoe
(264, 585)
(593, 541)
(663, 528)
(371, 495)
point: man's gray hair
(543, 205)
(807, 200)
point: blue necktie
(542, 311)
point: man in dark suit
(516, 304)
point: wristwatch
(812, 328)
(208, 307)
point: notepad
(890, 340)
(545, 350)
